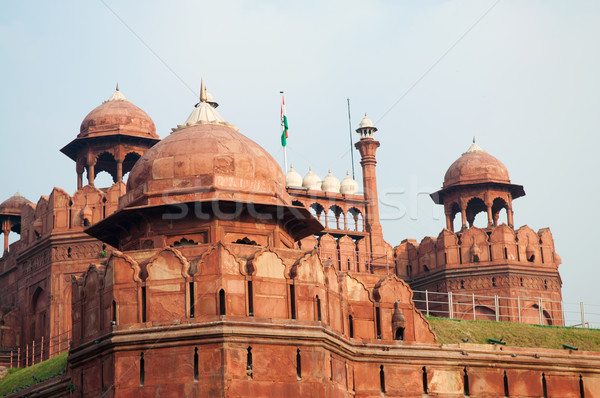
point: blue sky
(520, 76)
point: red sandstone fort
(211, 273)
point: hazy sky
(521, 76)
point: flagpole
(284, 132)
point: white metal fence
(532, 310)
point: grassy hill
(26, 377)
(451, 331)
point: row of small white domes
(329, 184)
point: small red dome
(117, 114)
(476, 166)
(13, 205)
(206, 162)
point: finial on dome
(473, 139)
(202, 91)
(117, 95)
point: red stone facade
(205, 275)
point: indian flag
(284, 123)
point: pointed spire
(117, 86)
(202, 91)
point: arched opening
(544, 386)
(38, 311)
(142, 369)
(531, 315)
(184, 242)
(297, 203)
(103, 179)
(293, 301)
(475, 207)
(425, 381)
(249, 361)
(498, 215)
(454, 210)
(222, 309)
(130, 159)
(196, 372)
(336, 217)
(481, 313)
(350, 326)
(192, 299)
(382, 379)
(105, 162)
(356, 223)
(399, 334)
(113, 311)
(298, 365)
(318, 300)
(506, 391)
(317, 211)
(466, 382)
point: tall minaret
(367, 146)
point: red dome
(476, 166)
(117, 114)
(13, 205)
(206, 162)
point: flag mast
(284, 132)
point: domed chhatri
(111, 138)
(311, 180)
(477, 182)
(348, 185)
(476, 166)
(293, 179)
(13, 205)
(330, 183)
(117, 113)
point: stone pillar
(91, 174)
(119, 171)
(449, 219)
(509, 216)
(463, 214)
(488, 207)
(6, 232)
(79, 180)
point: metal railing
(532, 310)
(352, 260)
(37, 351)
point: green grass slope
(515, 334)
(24, 377)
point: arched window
(298, 365)
(382, 379)
(249, 361)
(475, 206)
(196, 372)
(142, 369)
(318, 309)
(222, 309)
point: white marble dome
(330, 183)
(349, 186)
(293, 179)
(311, 180)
